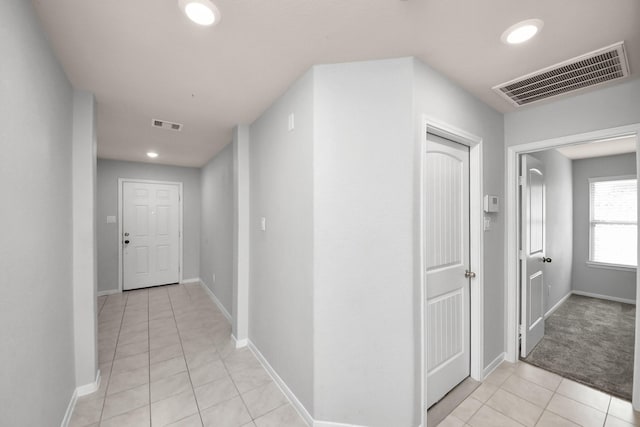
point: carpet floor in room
(591, 341)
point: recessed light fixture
(152, 154)
(202, 12)
(522, 31)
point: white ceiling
(607, 147)
(143, 59)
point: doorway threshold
(450, 401)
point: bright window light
(614, 220)
(152, 154)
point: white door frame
(476, 237)
(121, 182)
(513, 223)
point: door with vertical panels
(150, 234)
(448, 338)
(533, 253)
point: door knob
(469, 274)
(126, 242)
(546, 259)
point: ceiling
(606, 147)
(144, 60)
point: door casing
(476, 238)
(513, 241)
(121, 182)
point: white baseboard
(109, 292)
(80, 391)
(72, 405)
(215, 299)
(284, 388)
(330, 424)
(606, 297)
(493, 365)
(240, 343)
(192, 280)
(557, 305)
(83, 390)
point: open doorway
(578, 261)
(541, 301)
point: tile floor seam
(193, 389)
(149, 352)
(113, 358)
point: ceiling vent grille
(163, 124)
(592, 69)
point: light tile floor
(166, 358)
(522, 395)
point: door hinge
(521, 254)
(521, 330)
(521, 180)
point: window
(614, 220)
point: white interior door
(533, 258)
(150, 234)
(447, 264)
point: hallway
(166, 358)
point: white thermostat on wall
(491, 203)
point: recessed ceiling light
(152, 154)
(522, 31)
(202, 12)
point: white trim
(92, 387)
(121, 181)
(494, 364)
(512, 218)
(109, 292)
(70, 408)
(331, 424)
(192, 280)
(557, 305)
(608, 266)
(240, 343)
(283, 386)
(80, 391)
(605, 297)
(476, 237)
(215, 299)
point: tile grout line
(106, 390)
(193, 390)
(149, 352)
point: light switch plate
(111, 219)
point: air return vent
(163, 124)
(591, 69)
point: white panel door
(447, 262)
(533, 259)
(150, 234)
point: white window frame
(600, 264)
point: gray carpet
(591, 341)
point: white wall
(559, 225)
(84, 238)
(365, 336)
(37, 377)
(281, 285)
(443, 100)
(242, 233)
(599, 281)
(216, 230)
(108, 172)
(600, 109)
